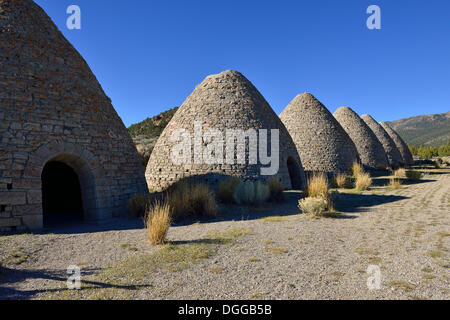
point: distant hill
(432, 130)
(145, 134)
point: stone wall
(224, 101)
(53, 108)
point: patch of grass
(427, 270)
(400, 173)
(172, 258)
(436, 254)
(125, 245)
(366, 251)
(427, 276)
(257, 296)
(443, 234)
(276, 250)
(158, 222)
(216, 270)
(402, 285)
(269, 242)
(253, 259)
(274, 219)
(18, 256)
(229, 237)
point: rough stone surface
(226, 101)
(370, 150)
(400, 143)
(394, 156)
(323, 145)
(53, 109)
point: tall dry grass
(363, 181)
(400, 173)
(318, 187)
(394, 183)
(188, 199)
(341, 181)
(157, 222)
(357, 169)
(313, 206)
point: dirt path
(406, 233)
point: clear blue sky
(149, 55)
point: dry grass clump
(400, 173)
(357, 169)
(318, 198)
(413, 175)
(394, 183)
(191, 200)
(138, 204)
(317, 186)
(363, 181)
(226, 190)
(158, 222)
(251, 193)
(276, 190)
(315, 206)
(341, 181)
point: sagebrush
(251, 193)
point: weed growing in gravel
(413, 175)
(228, 237)
(357, 169)
(158, 222)
(402, 285)
(276, 250)
(313, 206)
(394, 183)
(363, 181)
(341, 181)
(274, 219)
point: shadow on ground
(353, 203)
(12, 276)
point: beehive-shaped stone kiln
(322, 143)
(64, 149)
(400, 143)
(222, 102)
(393, 155)
(370, 150)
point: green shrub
(251, 193)
(413, 175)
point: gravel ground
(406, 232)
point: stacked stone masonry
(400, 144)
(323, 145)
(370, 150)
(53, 109)
(394, 156)
(224, 101)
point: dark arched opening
(294, 173)
(61, 194)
